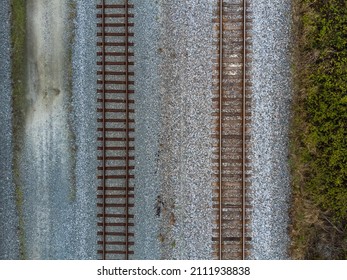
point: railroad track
(231, 114)
(115, 88)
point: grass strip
(18, 42)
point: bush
(318, 135)
(326, 104)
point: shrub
(318, 135)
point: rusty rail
(115, 150)
(220, 121)
(244, 133)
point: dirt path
(45, 57)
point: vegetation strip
(18, 39)
(318, 135)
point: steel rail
(127, 133)
(244, 134)
(103, 133)
(220, 121)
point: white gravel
(148, 124)
(85, 126)
(270, 122)
(173, 89)
(84, 104)
(9, 247)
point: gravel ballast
(148, 124)
(85, 127)
(9, 246)
(185, 160)
(173, 89)
(271, 97)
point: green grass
(21, 233)
(18, 41)
(319, 130)
(18, 37)
(72, 12)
